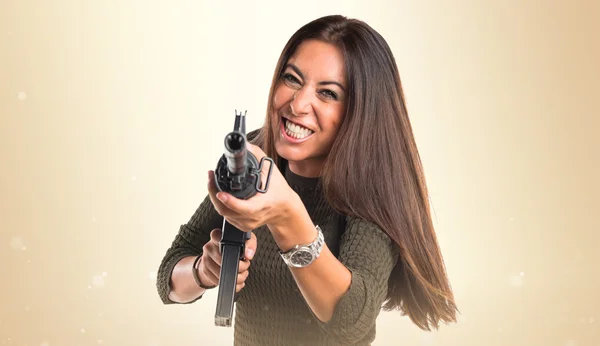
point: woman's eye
(290, 78)
(329, 94)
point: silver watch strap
(316, 245)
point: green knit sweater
(270, 310)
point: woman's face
(308, 106)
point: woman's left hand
(269, 208)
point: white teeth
(296, 131)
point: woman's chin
(289, 154)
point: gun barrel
(236, 152)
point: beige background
(113, 111)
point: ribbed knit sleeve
(188, 242)
(370, 255)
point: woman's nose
(300, 102)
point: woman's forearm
(183, 286)
(324, 281)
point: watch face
(301, 258)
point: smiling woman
(308, 103)
(336, 238)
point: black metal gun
(238, 173)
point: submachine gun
(238, 173)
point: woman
(348, 172)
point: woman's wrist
(196, 274)
(286, 210)
(294, 226)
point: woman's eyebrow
(297, 70)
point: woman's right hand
(209, 269)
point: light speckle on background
(570, 343)
(516, 280)
(45, 343)
(152, 276)
(17, 243)
(591, 320)
(22, 95)
(98, 280)
(83, 330)
(133, 177)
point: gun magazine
(227, 282)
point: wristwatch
(301, 256)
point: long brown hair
(373, 170)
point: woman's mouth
(294, 132)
